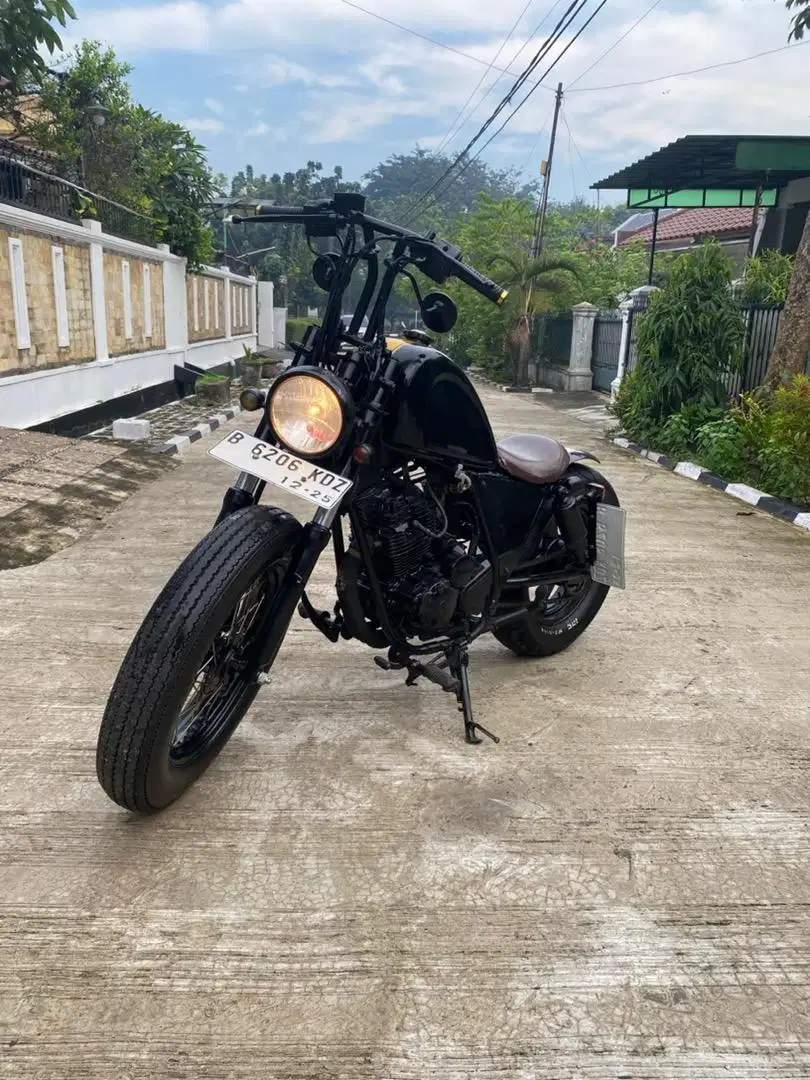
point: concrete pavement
(618, 890)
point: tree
(137, 158)
(801, 20)
(532, 283)
(394, 187)
(792, 347)
(291, 255)
(25, 27)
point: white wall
(38, 396)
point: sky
(275, 83)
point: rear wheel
(184, 685)
(561, 612)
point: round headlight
(307, 414)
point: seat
(538, 459)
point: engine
(427, 578)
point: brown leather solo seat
(538, 459)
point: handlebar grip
(478, 281)
(281, 211)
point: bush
(776, 431)
(688, 341)
(767, 278)
(296, 328)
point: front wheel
(183, 686)
(561, 612)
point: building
(681, 230)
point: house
(681, 230)
(635, 223)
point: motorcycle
(440, 534)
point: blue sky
(275, 84)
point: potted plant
(215, 389)
(251, 368)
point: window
(60, 296)
(19, 296)
(207, 303)
(195, 302)
(147, 300)
(126, 283)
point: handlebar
(345, 208)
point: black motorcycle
(450, 534)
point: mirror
(324, 269)
(439, 312)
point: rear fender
(582, 455)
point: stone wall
(241, 309)
(122, 339)
(201, 328)
(44, 350)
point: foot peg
(329, 625)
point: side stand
(458, 663)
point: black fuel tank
(437, 411)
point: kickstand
(458, 662)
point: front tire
(180, 692)
(558, 622)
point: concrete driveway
(619, 889)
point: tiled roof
(702, 221)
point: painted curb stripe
(769, 504)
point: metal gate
(607, 336)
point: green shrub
(297, 327)
(767, 278)
(776, 429)
(688, 341)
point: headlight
(307, 413)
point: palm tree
(801, 20)
(532, 281)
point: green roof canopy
(713, 170)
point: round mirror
(439, 312)
(324, 269)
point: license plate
(610, 529)
(303, 478)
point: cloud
(215, 106)
(338, 76)
(205, 124)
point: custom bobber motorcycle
(439, 533)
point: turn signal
(252, 399)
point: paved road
(618, 890)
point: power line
(526, 98)
(536, 143)
(562, 24)
(474, 91)
(692, 71)
(429, 40)
(617, 42)
(514, 59)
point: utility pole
(542, 208)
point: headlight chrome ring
(310, 411)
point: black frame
(552, 523)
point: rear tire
(152, 745)
(546, 633)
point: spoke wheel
(219, 684)
(189, 676)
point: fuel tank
(437, 411)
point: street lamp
(97, 115)
(97, 112)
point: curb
(178, 443)
(768, 504)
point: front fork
(246, 491)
